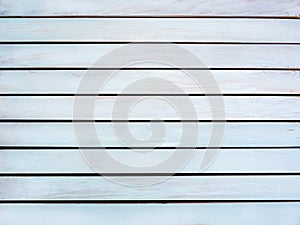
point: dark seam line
(146, 121)
(138, 42)
(134, 147)
(95, 174)
(145, 68)
(179, 16)
(158, 94)
(73, 201)
(148, 68)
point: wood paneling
(253, 50)
(229, 82)
(151, 107)
(149, 214)
(213, 56)
(62, 134)
(62, 161)
(150, 8)
(162, 30)
(173, 188)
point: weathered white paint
(228, 160)
(62, 134)
(229, 82)
(192, 187)
(151, 8)
(149, 214)
(152, 107)
(174, 188)
(214, 56)
(161, 30)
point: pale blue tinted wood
(70, 161)
(213, 56)
(169, 188)
(161, 29)
(229, 82)
(236, 108)
(253, 134)
(151, 8)
(256, 147)
(149, 214)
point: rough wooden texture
(62, 134)
(149, 214)
(253, 55)
(151, 107)
(69, 161)
(162, 30)
(174, 188)
(229, 82)
(213, 56)
(150, 8)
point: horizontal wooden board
(151, 8)
(85, 56)
(62, 134)
(174, 188)
(149, 214)
(229, 82)
(161, 30)
(37, 161)
(151, 107)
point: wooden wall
(252, 49)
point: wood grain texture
(151, 107)
(229, 82)
(213, 56)
(62, 134)
(255, 43)
(149, 214)
(161, 30)
(151, 8)
(37, 161)
(174, 188)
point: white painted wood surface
(62, 134)
(161, 30)
(173, 188)
(60, 161)
(151, 107)
(229, 82)
(213, 56)
(149, 214)
(151, 8)
(247, 40)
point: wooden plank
(229, 82)
(151, 107)
(213, 56)
(174, 188)
(37, 161)
(149, 214)
(62, 134)
(150, 8)
(138, 30)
